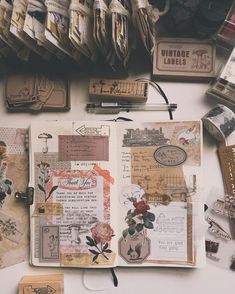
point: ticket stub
(184, 59)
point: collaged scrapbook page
(14, 220)
(159, 193)
(73, 218)
(116, 194)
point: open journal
(112, 194)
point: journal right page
(160, 200)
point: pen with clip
(114, 108)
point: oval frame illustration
(173, 155)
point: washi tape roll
(220, 122)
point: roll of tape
(220, 122)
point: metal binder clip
(212, 246)
(211, 249)
(26, 197)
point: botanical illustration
(138, 218)
(101, 235)
(44, 178)
(8, 229)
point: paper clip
(222, 208)
(217, 229)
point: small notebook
(110, 194)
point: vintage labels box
(184, 59)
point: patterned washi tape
(220, 122)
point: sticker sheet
(73, 219)
(14, 228)
(159, 193)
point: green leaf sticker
(139, 227)
(131, 231)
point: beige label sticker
(85, 259)
(48, 209)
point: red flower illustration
(102, 233)
(141, 207)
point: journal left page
(73, 173)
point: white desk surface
(192, 104)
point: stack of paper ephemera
(74, 29)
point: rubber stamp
(184, 58)
(51, 284)
(118, 90)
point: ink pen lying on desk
(114, 108)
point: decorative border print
(170, 155)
